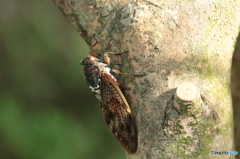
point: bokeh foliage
(46, 109)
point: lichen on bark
(173, 42)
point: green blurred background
(46, 109)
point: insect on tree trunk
(182, 107)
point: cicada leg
(106, 57)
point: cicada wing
(117, 114)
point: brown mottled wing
(117, 114)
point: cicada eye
(91, 62)
(83, 62)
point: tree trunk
(235, 90)
(182, 107)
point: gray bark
(180, 45)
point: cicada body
(116, 112)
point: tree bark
(182, 107)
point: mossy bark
(173, 42)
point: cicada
(116, 111)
